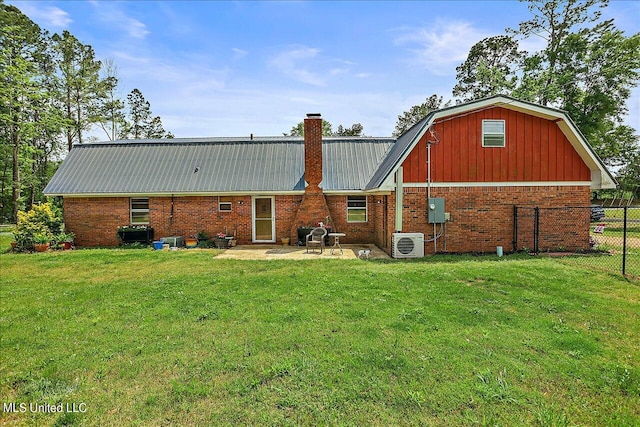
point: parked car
(597, 213)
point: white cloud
(48, 16)
(111, 14)
(238, 53)
(309, 65)
(442, 46)
(295, 64)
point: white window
(224, 203)
(139, 210)
(493, 133)
(356, 208)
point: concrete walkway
(298, 252)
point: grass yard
(137, 337)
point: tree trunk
(15, 184)
(4, 180)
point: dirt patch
(632, 242)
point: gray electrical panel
(436, 210)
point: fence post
(624, 243)
(536, 230)
(515, 228)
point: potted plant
(221, 241)
(203, 239)
(285, 241)
(65, 240)
(191, 241)
(41, 242)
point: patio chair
(315, 239)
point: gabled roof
(601, 178)
(224, 165)
(271, 164)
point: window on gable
(139, 210)
(356, 208)
(224, 203)
(493, 133)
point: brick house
(475, 161)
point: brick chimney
(313, 207)
(313, 149)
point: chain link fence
(596, 237)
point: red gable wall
(535, 150)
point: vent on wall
(407, 245)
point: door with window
(264, 221)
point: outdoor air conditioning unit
(407, 245)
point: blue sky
(217, 68)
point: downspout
(399, 190)
(435, 239)
(171, 214)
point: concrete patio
(298, 252)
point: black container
(136, 236)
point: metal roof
(396, 152)
(213, 165)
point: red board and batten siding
(535, 150)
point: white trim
(253, 219)
(219, 193)
(399, 202)
(229, 203)
(374, 191)
(143, 211)
(500, 184)
(366, 208)
(489, 134)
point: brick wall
(358, 232)
(95, 220)
(200, 213)
(482, 217)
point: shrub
(39, 224)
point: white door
(264, 221)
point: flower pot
(285, 241)
(66, 246)
(41, 247)
(221, 243)
(190, 242)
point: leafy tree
(555, 21)
(418, 112)
(111, 117)
(490, 68)
(29, 119)
(587, 68)
(142, 124)
(327, 130)
(51, 93)
(80, 85)
(355, 130)
(298, 130)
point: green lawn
(164, 338)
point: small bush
(40, 224)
